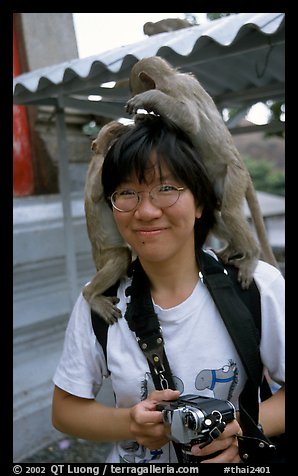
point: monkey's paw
(246, 267)
(134, 104)
(105, 306)
(146, 100)
(245, 264)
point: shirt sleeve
(82, 365)
(271, 284)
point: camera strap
(143, 321)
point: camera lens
(191, 421)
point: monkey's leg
(239, 235)
(242, 250)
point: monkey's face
(106, 135)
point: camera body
(196, 420)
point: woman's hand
(146, 423)
(226, 443)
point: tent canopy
(238, 59)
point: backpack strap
(237, 317)
(232, 303)
(100, 326)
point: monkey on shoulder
(111, 254)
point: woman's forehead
(154, 171)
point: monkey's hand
(181, 112)
(148, 100)
(246, 267)
(246, 264)
(105, 306)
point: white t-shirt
(200, 351)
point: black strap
(143, 320)
(234, 305)
(100, 326)
(244, 333)
(235, 314)
(228, 297)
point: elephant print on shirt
(220, 381)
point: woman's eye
(167, 188)
(127, 193)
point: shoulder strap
(242, 328)
(238, 318)
(250, 297)
(252, 300)
(100, 326)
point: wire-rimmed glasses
(162, 196)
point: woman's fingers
(146, 423)
(226, 443)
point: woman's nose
(146, 208)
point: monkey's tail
(257, 217)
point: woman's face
(158, 234)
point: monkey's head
(149, 73)
(107, 134)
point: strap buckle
(152, 347)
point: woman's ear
(199, 211)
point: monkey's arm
(180, 112)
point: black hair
(130, 154)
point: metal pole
(64, 184)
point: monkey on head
(157, 87)
(180, 98)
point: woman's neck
(172, 282)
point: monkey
(111, 254)
(158, 87)
(167, 24)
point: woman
(163, 205)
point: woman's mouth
(149, 232)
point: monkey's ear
(93, 145)
(150, 83)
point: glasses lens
(165, 195)
(125, 200)
(162, 196)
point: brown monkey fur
(167, 24)
(110, 252)
(157, 87)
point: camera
(194, 420)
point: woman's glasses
(162, 196)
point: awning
(239, 60)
